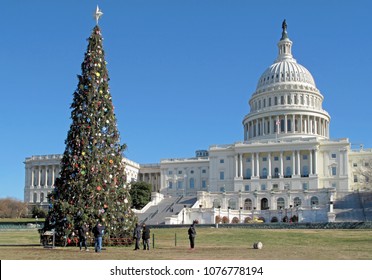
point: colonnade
(42, 176)
(290, 123)
(261, 164)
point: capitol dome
(286, 102)
(285, 71)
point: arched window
(282, 125)
(216, 203)
(264, 173)
(280, 203)
(276, 172)
(35, 197)
(232, 203)
(192, 183)
(297, 201)
(248, 204)
(289, 125)
(42, 197)
(264, 204)
(288, 172)
(314, 201)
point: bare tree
(12, 208)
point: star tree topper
(97, 14)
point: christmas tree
(92, 186)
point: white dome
(285, 71)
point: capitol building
(287, 168)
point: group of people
(139, 232)
(143, 232)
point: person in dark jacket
(82, 232)
(137, 236)
(192, 234)
(98, 232)
(146, 237)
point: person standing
(98, 232)
(137, 236)
(82, 232)
(146, 237)
(192, 234)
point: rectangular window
(275, 187)
(247, 188)
(366, 164)
(264, 159)
(222, 175)
(222, 160)
(269, 101)
(305, 186)
(263, 187)
(170, 172)
(180, 172)
(304, 157)
(180, 184)
(204, 184)
(333, 155)
(170, 184)
(355, 179)
(334, 171)
(288, 158)
(276, 158)
(204, 171)
(248, 160)
(355, 164)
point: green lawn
(211, 243)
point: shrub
(225, 220)
(235, 220)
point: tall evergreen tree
(92, 183)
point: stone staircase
(169, 206)
(354, 207)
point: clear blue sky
(181, 72)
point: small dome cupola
(285, 46)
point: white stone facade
(41, 172)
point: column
(252, 163)
(281, 165)
(53, 175)
(315, 162)
(263, 126)
(46, 176)
(258, 164)
(298, 163)
(285, 124)
(38, 177)
(311, 162)
(32, 177)
(241, 165)
(316, 126)
(248, 128)
(293, 123)
(269, 165)
(300, 124)
(293, 163)
(236, 166)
